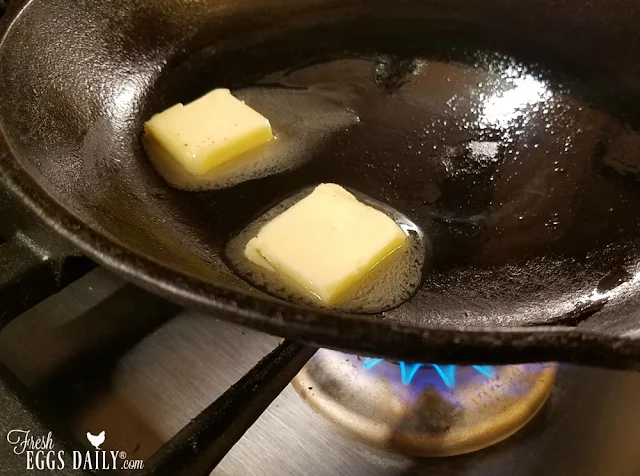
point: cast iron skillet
(506, 129)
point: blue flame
(446, 372)
(370, 363)
(486, 370)
(408, 371)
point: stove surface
(148, 368)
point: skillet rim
(346, 332)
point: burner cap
(439, 411)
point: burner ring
(427, 417)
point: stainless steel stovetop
(151, 368)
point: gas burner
(423, 409)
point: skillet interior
(542, 229)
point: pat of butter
(209, 131)
(326, 242)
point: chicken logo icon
(96, 440)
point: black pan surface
(508, 131)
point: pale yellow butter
(326, 242)
(209, 131)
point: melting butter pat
(209, 131)
(326, 242)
